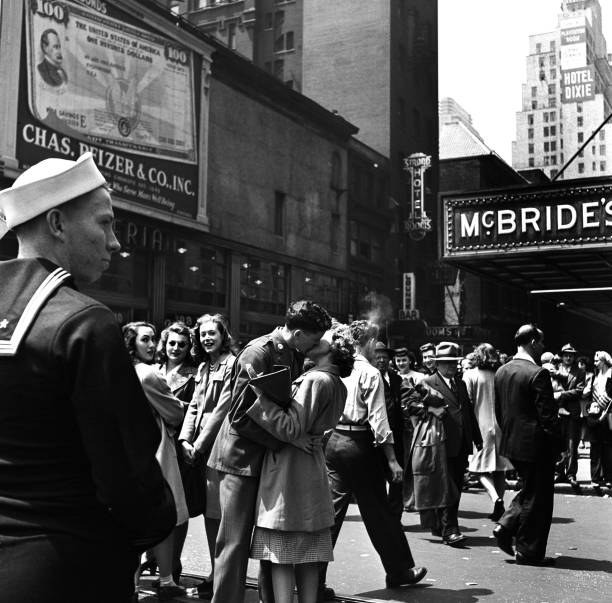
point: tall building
(566, 97)
(377, 68)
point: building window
(552, 101)
(578, 108)
(602, 135)
(545, 130)
(530, 119)
(231, 36)
(542, 61)
(279, 213)
(580, 136)
(602, 166)
(542, 75)
(289, 41)
(531, 162)
(530, 133)
(553, 145)
(553, 116)
(553, 159)
(546, 160)
(602, 149)
(279, 69)
(553, 59)
(553, 74)
(581, 154)
(553, 130)
(546, 147)
(581, 168)
(534, 91)
(553, 172)
(594, 166)
(534, 104)
(268, 21)
(553, 46)
(530, 148)
(552, 88)
(545, 116)
(279, 18)
(580, 121)
(538, 48)
(262, 286)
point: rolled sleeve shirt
(365, 401)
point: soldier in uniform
(80, 488)
(241, 444)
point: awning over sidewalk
(553, 240)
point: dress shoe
(498, 510)
(543, 562)
(454, 539)
(325, 593)
(167, 593)
(205, 589)
(504, 539)
(406, 578)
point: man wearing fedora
(80, 488)
(461, 430)
(528, 416)
(391, 383)
(571, 381)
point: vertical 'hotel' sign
(418, 223)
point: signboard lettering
(418, 223)
(525, 221)
(578, 84)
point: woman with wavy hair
(140, 341)
(294, 511)
(205, 414)
(487, 463)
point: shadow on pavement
(585, 565)
(473, 514)
(563, 520)
(425, 593)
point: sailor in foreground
(80, 489)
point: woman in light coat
(140, 341)
(205, 414)
(294, 511)
(487, 463)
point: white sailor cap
(46, 185)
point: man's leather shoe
(454, 539)
(411, 576)
(205, 589)
(575, 485)
(504, 539)
(544, 562)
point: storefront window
(329, 291)
(263, 286)
(196, 274)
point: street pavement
(580, 539)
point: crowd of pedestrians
(112, 439)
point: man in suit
(528, 415)
(392, 382)
(571, 380)
(241, 444)
(50, 68)
(80, 487)
(461, 431)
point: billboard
(574, 35)
(577, 84)
(519, 221)
(99, 81)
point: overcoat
(294, 492)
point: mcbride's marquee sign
(516, 221)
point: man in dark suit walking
(528, 415)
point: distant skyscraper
(567, 95)
(458, 137)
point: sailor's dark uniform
(80, 489)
